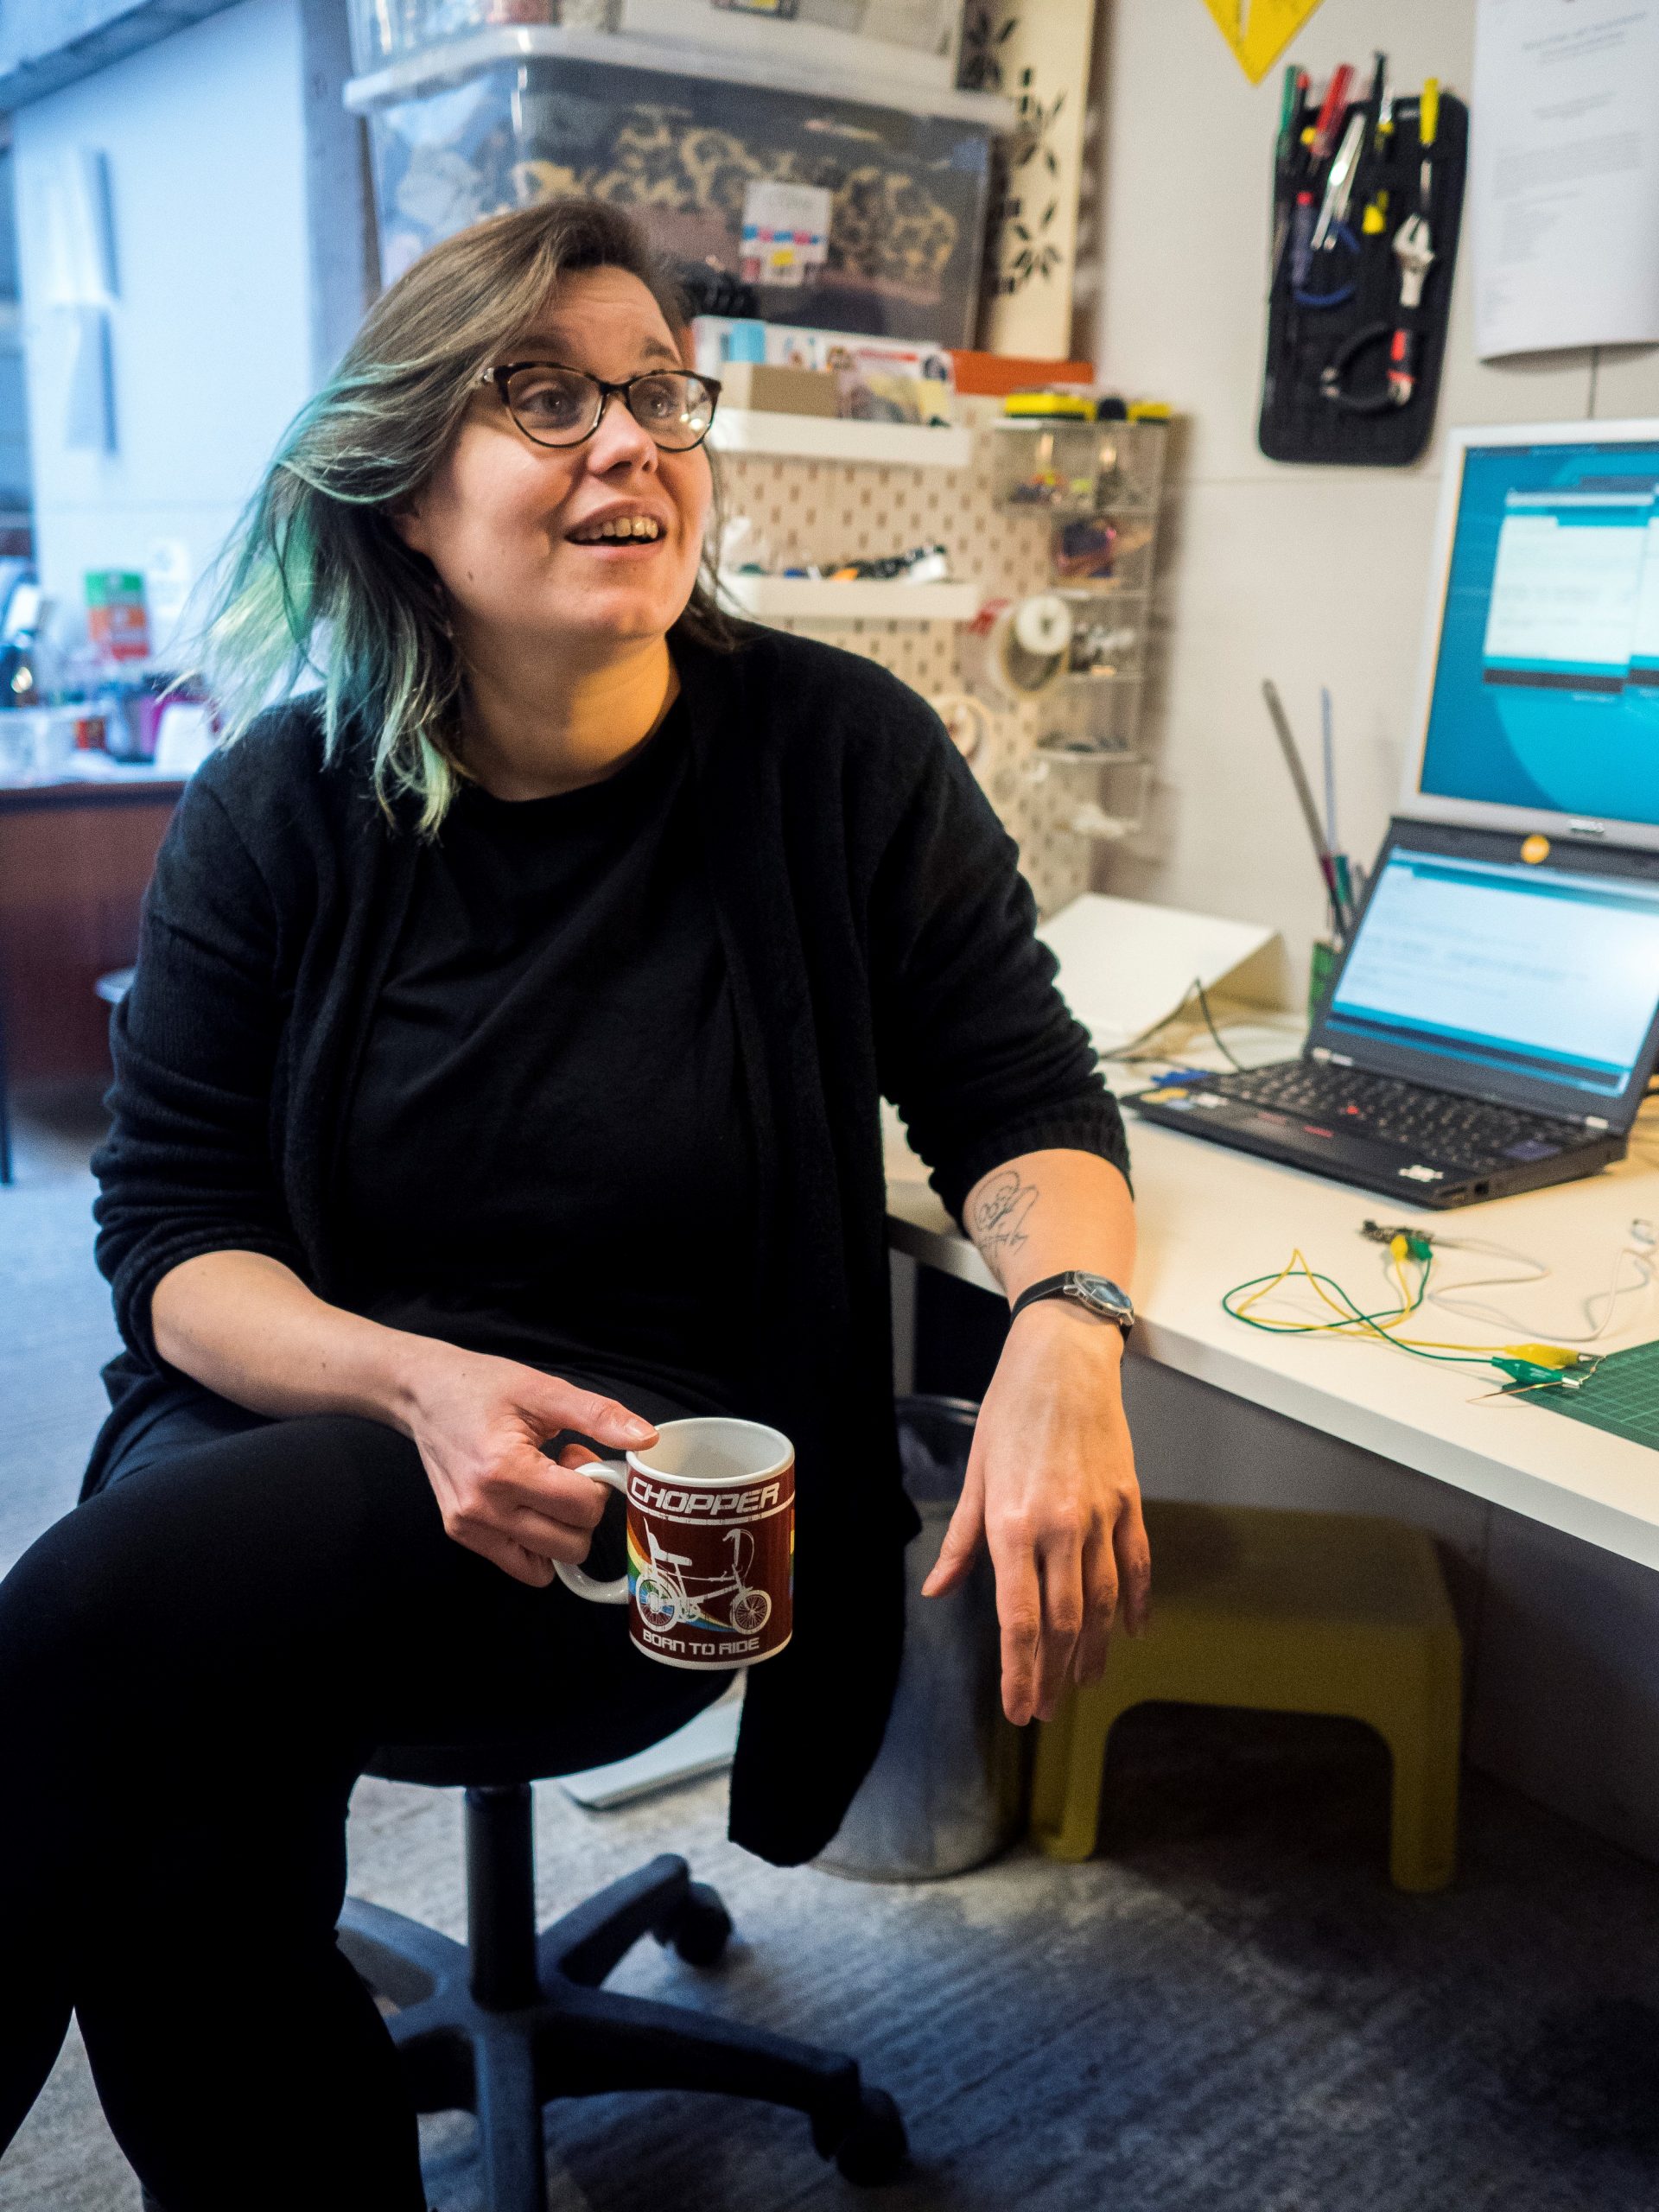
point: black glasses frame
(502, 375)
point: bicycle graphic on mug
(663, 1591)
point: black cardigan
(880, 938)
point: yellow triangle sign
(1259, 30)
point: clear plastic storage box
(386, 30)
(908, 191)
(1080, 467)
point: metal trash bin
(947, 1791)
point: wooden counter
(75, 858)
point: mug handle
(616, 1472)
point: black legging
(194, 1668)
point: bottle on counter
(20, 676)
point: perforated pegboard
(824, 511)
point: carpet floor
(1228, 2011)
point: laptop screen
(1545, 685)
(1542, 979)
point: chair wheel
(700, 1928)
(874, 2148)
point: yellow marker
(1428, 115)
(1535, 849)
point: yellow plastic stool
(1289, 1612)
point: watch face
(1100, 1295)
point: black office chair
(502, 2024)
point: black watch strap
(1115, 1305)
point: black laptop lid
(1505, 969)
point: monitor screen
(1545, 974)
(1546, 686)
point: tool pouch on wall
(1353, 366)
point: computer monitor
(1538, 706)
(1532, 982)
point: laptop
(1491, 1027)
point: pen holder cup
(1322, 968)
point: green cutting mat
(1622, 1396)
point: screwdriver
(1292, 95)
(1301, 239)
(1428, 123)
(1293, 99)
(1336, 100)
(1381, 102)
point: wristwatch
(1095, 1293)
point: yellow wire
(1295, 1264)
(1383, 1324)
(1347, 1322)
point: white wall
(1309, 576)
(212, 335)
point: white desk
(1210, 1218)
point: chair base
(503, 2026)
(571, 2038)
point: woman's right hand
(479, 1424)
(245, 1325)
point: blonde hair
(314, 582)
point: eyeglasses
(557, 406)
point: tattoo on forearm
(1000, 1215)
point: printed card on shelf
(785, 231)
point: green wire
(1371, 1321)
(1523, 1374)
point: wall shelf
(827, 437)
(804, 599)
(453, 58)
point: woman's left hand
(1051, 1487)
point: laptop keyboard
(1464, 1132)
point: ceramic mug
(711, 1580)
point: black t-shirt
(548, 1152)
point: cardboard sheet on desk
(1125, 965)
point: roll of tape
(1017, 647)
(966, 720)
(1041, 625)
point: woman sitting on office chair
(502, 1069)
